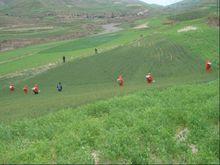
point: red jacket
(25, 89)
(208, 66)
(120, 80)
(149, 78)
(12, 87)
(36, 89)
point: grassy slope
(53, 52)
(203, 42)
(16, 16)
(58, 30)
(192, 40)
(30, 8)
(48, 12)
(187, 5)
(138, 128)
(35, 53)
(80, 78)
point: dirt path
(23, 29)
(16, 58)
(187, 28)
(28, 73)
(110, 28)
(142, 26)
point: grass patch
(139, 128)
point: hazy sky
(161, 2)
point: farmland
(93, 120)
(58, 20)
(171, 63)
(139, 128)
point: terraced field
(53, 52)
(93, 78)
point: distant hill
(194, 9)
(70, 9)
(194, 4)
(63, 19)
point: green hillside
(153, 126)
(194, 9)
(58, 20)
(187, 5)
(175, 120)
(12, 61)
(55, 8)
(172, 57)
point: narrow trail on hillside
(108, 28)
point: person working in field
(96, 50)
(35, 89)
(120, 81)
(208, 66)
(149, 78)
(25, 89)
(64, 59)
(12, 87)
(59, 87)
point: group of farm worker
(64, 57)
(120, 80)
(35, 89)
(149, 79)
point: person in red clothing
(25, 89)
(149, 78)
(12, 87)
(208, 66)
(35, 89)
(120, 81)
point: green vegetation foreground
(169, 125)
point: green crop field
(93, 120)
(141, 128)
(45, 31)
(170, 62)
(40, 21)
(53, 52)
